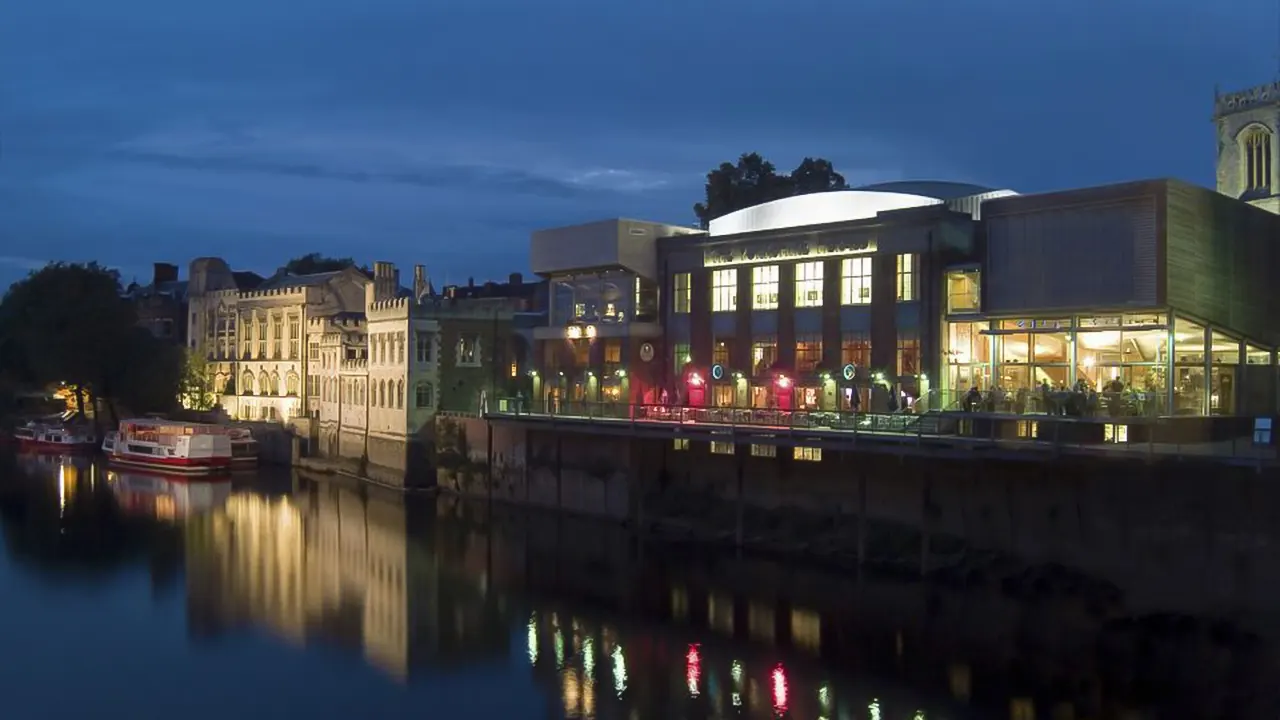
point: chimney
(420, 282)
(164, 272)
(384, 280)
(515, 279)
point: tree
(313, 263)
(195, 387)
(754, 180)
(68, 324)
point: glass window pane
(1226, 350)
(1188, 342)
(1257, 356)
(764, 287)
(1050, 347)
(724, 290)
(964, 291)
(855, 281)
(809, 284)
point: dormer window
(1256, 145)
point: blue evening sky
(134, 131)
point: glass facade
(1119, 364)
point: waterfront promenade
(945, 434)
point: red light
(693, 670)
(779, 690)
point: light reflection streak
(693, 670)
(533, 639)
(559, 649)
(779, 678)
(619, 671)
(589, 657)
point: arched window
(291, 383)
(424, 395)
(275, 383)
(264, 384)
(246, 383)
(1256, 145)
(382, 393)
(399, 394)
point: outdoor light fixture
(620, 373)
(784, 381)
(573, 332)
(695, 379)
(591, 331)
(533, 373)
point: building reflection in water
(330, 562)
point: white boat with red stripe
(172, 446)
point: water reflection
(589, 625)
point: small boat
(52, 437)
(172, 446)
(244, 449)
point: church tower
(1248, 145)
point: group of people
(1081, 400)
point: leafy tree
(754, 180)
(312, 263)
(195, 387)
(67, 323)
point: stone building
(252, 336)
(1248, 151)
(161, 305)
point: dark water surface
(132, 596)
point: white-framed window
(724, 290)
(764, 450)
(809, 284)
(906, 277)
(424, 344)
(764, 287)
(855, 281)
(681, 292)
(681, 443)
(721, 448)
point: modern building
(1154, 294)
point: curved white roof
(845, 205)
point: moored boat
(244, 449)
(172, 446)
(53, 437)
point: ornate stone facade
(1248, 148)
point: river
(275, 595)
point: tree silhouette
(755, 180)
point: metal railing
(1137, 436)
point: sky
(444, 133)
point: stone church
(1248, 150)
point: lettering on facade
(781, 250)
(1245, 99)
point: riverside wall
(1175, 535)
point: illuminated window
(724, 291)
(906, 277)
(613, 351)
(399, 394)
(964, 291)
(277, 331)
(1256, 145)
(908, 354)
(855, 281)
(681, 356)
(808, 454)
(722, 351)
(808, 353)
(515, 369)
(313, 351)
(295, 336)
(764, 353)
(682, 443)
(764, 450)
(246, 383)
(764, 287)
(855, 348)
(581, 352)
(721, 448)
(809, 284)
(469, 350)
(291, 383)
(681, 293)
(262, 337)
